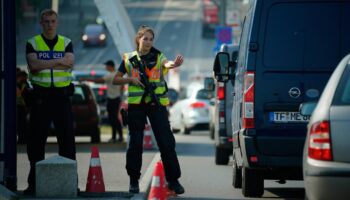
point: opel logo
(294, 92)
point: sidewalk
(112, 156)
(145, 184)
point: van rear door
(300, 44)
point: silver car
(326, 160)
(191, 113)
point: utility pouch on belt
(70, 89)
(124, 117)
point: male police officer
(50, 60)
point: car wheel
(184, 130)
(252, 183)
(236, 176)
(95, 135)
(222, 156)
(187, 131)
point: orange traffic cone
(147, 138)
(158, 188)
(95, 177)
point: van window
(306, 36)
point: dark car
(100, 90)
(85, 112)
(288, 50)
(220, 125)
(326, 162)
(94, 35)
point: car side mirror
(209, 84)
(307, 108)
(221, 66)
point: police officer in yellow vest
(50, 60)
(141, 106)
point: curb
(6, 194)
(146, 180)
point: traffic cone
(158, 188)
(95, 177)
(147, 138)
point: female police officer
(142, 105)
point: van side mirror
(209, 84)
(221, 66)
(307, 108)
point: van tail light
(320, 141)
(222, 116)
(221, 91)
(197, 104)
(248, 100)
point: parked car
(191, 113)
(220, 124)
(288, 50)
(99, 90)
(86, 113)
(94, 35)
(326, 160)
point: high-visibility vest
(155, 75)
(44, 78)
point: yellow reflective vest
(154, 75)
(44, 78)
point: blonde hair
(141, 32)
(47, 12)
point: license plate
(288, 117)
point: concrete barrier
(56, 177)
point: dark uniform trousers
(49, 105)
(165, 139)
(113, 110)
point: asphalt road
(203, 179)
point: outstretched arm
(173, 64)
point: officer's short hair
(47, 12)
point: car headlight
(84, 38)
(102, 37)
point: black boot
(30, 191)
(134, 186)
(176, 187)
